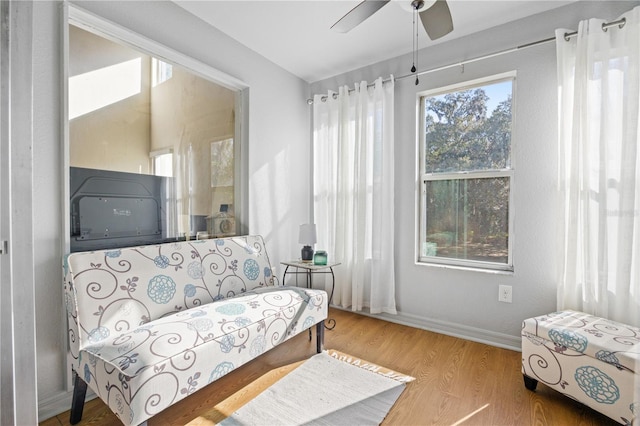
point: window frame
(154, 155)
(161, 71)
(79, 17)
(424, 177)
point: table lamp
(307, 238)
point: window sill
(465, 268)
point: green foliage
(471, 213)
(460, 136)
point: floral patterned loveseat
(590, 359)
(150, 325)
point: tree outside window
(467, 175)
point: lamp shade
(307, 234)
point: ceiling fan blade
(437, 20)
(358, 14)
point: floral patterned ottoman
(590, 359)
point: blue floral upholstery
(150, 325)
(593, 360)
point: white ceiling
(296, 34)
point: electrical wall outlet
(505, 293)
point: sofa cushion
(609, 341)
(142, 371)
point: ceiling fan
(434, 14)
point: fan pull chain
(415, 60)
(413, 48)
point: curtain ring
(566, 37)
(620, 23)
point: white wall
(278, 158)
(464, 302)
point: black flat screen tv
(117, 209)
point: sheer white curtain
(183, 181)
(354, 192)
(599, 169)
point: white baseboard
(58, 403)
(54, 405)
(492, 338)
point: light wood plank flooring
(458, 382)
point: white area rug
(330, 388)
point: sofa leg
(530, 383)
(319, 336)
(77, 403)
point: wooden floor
(458, 382)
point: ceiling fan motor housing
(417, 5)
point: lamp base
(307, 254)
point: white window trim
(79, 17)
(422, 178)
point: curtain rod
(567, 36)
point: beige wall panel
(189, 113)
(115, 136)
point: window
(162, 163)
(153, 134)
(467, 175)
(160, 71)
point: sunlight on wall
(269, 187)
(88, 92)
